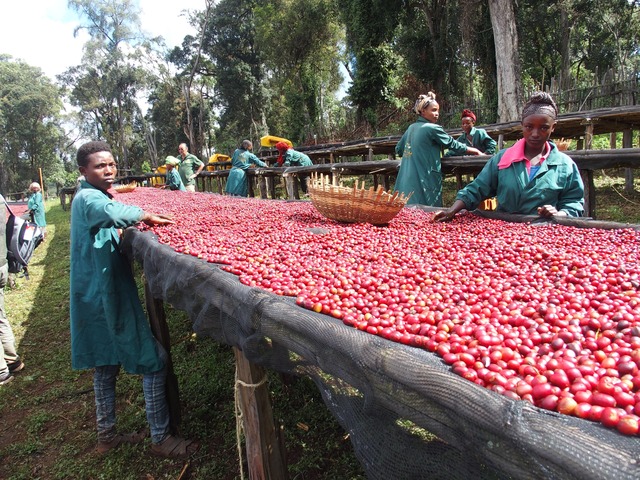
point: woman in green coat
(473, 136)
(173, 180)
(237, 183)
(420, 148)
(531, 177)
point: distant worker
(288, 157)
(188, 162)
(420, 147)
(237, 183)
(473, 136)
(36, 206)
(173, 180)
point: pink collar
(516, 154)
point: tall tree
(300, 40)
(242, 96)
(29, 126)
(503, 21)
(106, 84)
(370, 28)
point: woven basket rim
(354, 204)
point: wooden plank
(265, 457)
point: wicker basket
(354, 205)
(126, 188)
(562, 144)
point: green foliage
(29, 126)
(106, 85)
(230, 42)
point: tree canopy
(307, 70)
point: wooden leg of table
(265, 455)
(262, 184)
(290, 183)
(158, 322)
(589, 193)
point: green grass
(48, 418)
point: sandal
(175, 447)
(119, 439)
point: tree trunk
(503, 22)
(565, 37)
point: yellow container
(161, 170)
(215, 158)
(270, 141)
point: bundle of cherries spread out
(547, 314)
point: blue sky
(40, 32)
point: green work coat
(420, 169)
(237, 181)
(293, 158)
(36, 205)
(557, 183)
(480, 139)
(173, 180)
(108, 325)
(188, 166)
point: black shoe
(5, 378)
(15, 367)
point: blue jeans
(153, 386)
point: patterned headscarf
(468, 114)
(423, 102)
(540, 103)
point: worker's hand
(550, 211)
(157, 219)
(444, 216)
(473, 151)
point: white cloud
(40, 32)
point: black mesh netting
(388, 396)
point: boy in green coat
(108, 326)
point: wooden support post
(580, 144)
(627, 142)
(386, 184)
(588, 134)
(160, 330)
(290, 183)
(262, 184)
(250, 181)
(459, 183)
(589, 193)
(270, 188)
(375, 182)
(500, 141)
(370, 156)
(265, 457)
